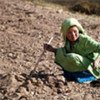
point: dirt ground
(24, 28)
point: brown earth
(24, 28)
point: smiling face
(72, 34)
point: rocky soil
(24, 28)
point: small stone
(59, 11)
(34, 80)
(12, 55)
(23, 91)
(88, 97)
(32, 93)
(1, 96)
(78, 98)
(19, 78)
(61, 79)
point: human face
(72, 34)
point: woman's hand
(49, 48)
(96, 63)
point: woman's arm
(91, 45)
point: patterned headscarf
(69, 23)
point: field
(24, 28)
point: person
(80, 51)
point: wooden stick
(43, 53)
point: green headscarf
(69, 23)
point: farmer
(80, 52)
